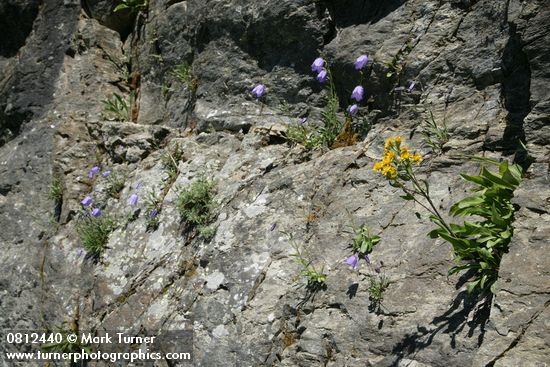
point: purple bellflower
(133, 200)
(258, 91)
(352, 261)
(86, 201)
(411, 87)
(94, 171)
(318, 65)
(352, 110)
(153, 213)
(273, 226)
(322, 77)
(96, 212)
(303, 120)
(106, 173)
(357, 93)
(361, 62)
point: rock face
(482, 67)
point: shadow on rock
(467, 310)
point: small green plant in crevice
(184, 74)
(397, 64)
(133, 5)
(196, 202)
(170, 161)
(207, 232)
(478, 244)
(117, 108)
(94, 230)
(435, 136)
(378, 284)
(57, 341)
(55, 193)
(315, 278)
(115, 184)
(394, 67)
(153, 207)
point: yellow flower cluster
(394, 156)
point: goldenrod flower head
(378, 166)
(389, 157)
(405, 155)
(417, 158)
(389, 172)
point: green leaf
(407, 197)
(120, 7)
(517, 172)
(508, 177)
(471, 286)
(435, 233)
(476, 179)
(472, 201)
(456, 242)
(484, 160)
(499, 181)
(456, 269)
(482, 281)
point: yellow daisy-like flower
(389, 172)
(378, 166)
(397, 140)
(405, 155)
(389, 157)
(417, 158)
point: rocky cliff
(184, 71)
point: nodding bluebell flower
(94, 171)
(133, 200)
(96, 212)
(303, 120)
(153, 213)
(318, 65)
(322, 77)
(411, 87)
(139, 185)
(80, 251)
(258, 91)
(273, 226)
(352, 261)
(367, 259)
(357, 93)
(86, 201)
(106, 173)
(352, 110)
(378, 267)
(361, 62)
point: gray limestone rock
(481, 67)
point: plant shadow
(467, 311)
(312, 288)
